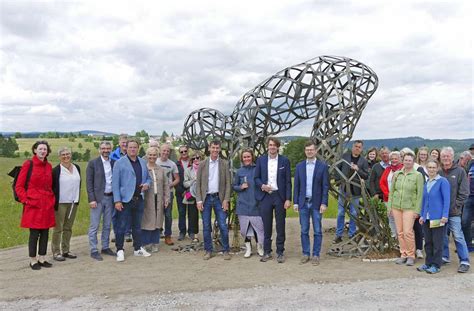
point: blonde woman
(422, 160)
(189, 199)
(156, 200)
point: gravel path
(173, 280)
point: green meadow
(10, 211)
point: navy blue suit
(274, 201)
(309, 202)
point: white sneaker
(260, 249)
(419, 254)
(248, 250)
(141, 252)
(120, 255)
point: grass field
(10, 211)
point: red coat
(384, 180)
(38, 200)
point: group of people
(134, 195)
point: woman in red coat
(38, 203)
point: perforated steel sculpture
(331, 90)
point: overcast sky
(123, 66)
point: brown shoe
(208, 256)
(226, 256)
(315, 261)
(168, 240)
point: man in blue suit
(311, 200)
(129, 179)
(273, 192)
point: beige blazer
(203, 180)
(153, 216)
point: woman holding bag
(189, 195)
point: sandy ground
(170, 279)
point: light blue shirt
(384, 164)
(310, 164)
(431, 183)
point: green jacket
(406, 191)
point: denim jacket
(246, 203)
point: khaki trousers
(62, 232)
(404, 220)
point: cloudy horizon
(123, 67)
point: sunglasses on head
(183, 151)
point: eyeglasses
(183, 151)
(65, 154)
(196, 158)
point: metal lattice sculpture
(331, 90)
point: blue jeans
(150, 236)
(115, 224)
(454, 226)
(341, 216)
(103, 209)
(306, 212)
(132, 213)
(213, 202)
(169, 216)
(466, 220)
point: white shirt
(69, 185)
(213, 182)
(272, 172)
(108, 174)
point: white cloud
(122, 67)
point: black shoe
(69, 255)
(280, 258)
(463, 268)
(35, 266)
(128, 238)
(45, 264)
(96, 256)
(108, 251)
(337, 239)
(266, 257)
(181, 236)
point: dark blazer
(202, 181)
(320, 189)
(95, 179)
(374, 180)
(283, 177)
(347, 171)
(180, 189)
(56, 174)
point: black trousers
(269, 203)
(36, 235)
(193, 218)
(418, 234)
(433, 244)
